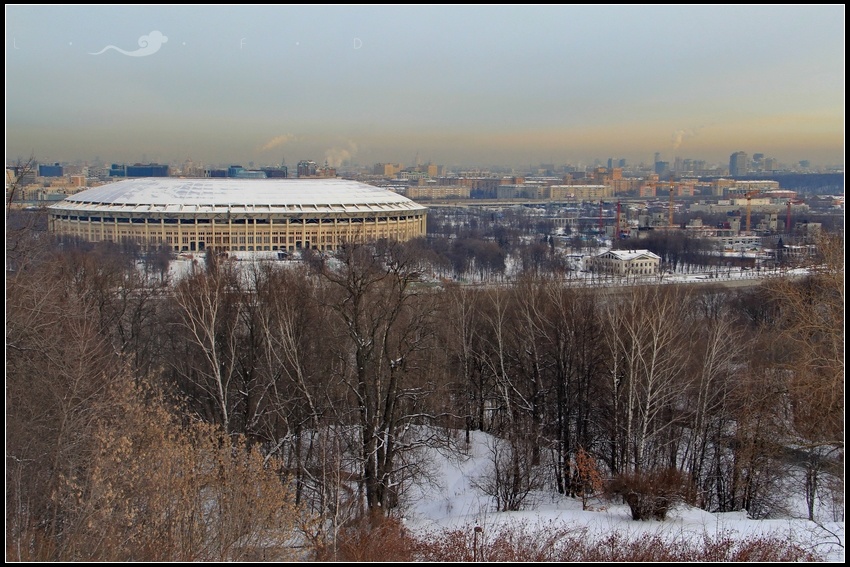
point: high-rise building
(307, 168)
(234, 170)
(45, 170)
(387, 169)
(739, 163)
(138, 170)
(281, 172)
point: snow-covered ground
(184, 263)
(450, 500)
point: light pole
(478, 530)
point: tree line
(144, 407)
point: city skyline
(447, 84)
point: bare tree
(293, 394)
(27, 239)
(811, 331)
(22, 169)
(385, 328)
(647, 332)
(718, 352)
(62, 378)
(160, 491)
(813, 328)
(580, 376)
(512, 477)
(208, 307)
(462, 341)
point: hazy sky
(450, 84)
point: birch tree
(648, 332)
(208, 310)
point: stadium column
(335, 241)
(230, 246)
(319, 237)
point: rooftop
(249, 195)
(631, 254)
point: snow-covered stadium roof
(180, 195)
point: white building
(626, 263)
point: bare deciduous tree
(718, 350)
(648, 334)
(208, 307)
(63, 378)
(512, 477)
(158, 491)
(386, 326)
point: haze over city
(449, 84)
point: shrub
(588, 476)
(373, 538)
(517, 543)
(651, 494)
(552, 543)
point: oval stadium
(237, 214)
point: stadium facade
(237, 214)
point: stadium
(237, 214)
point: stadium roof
(172, 194)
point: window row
(299, 221)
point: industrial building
(237, 214)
